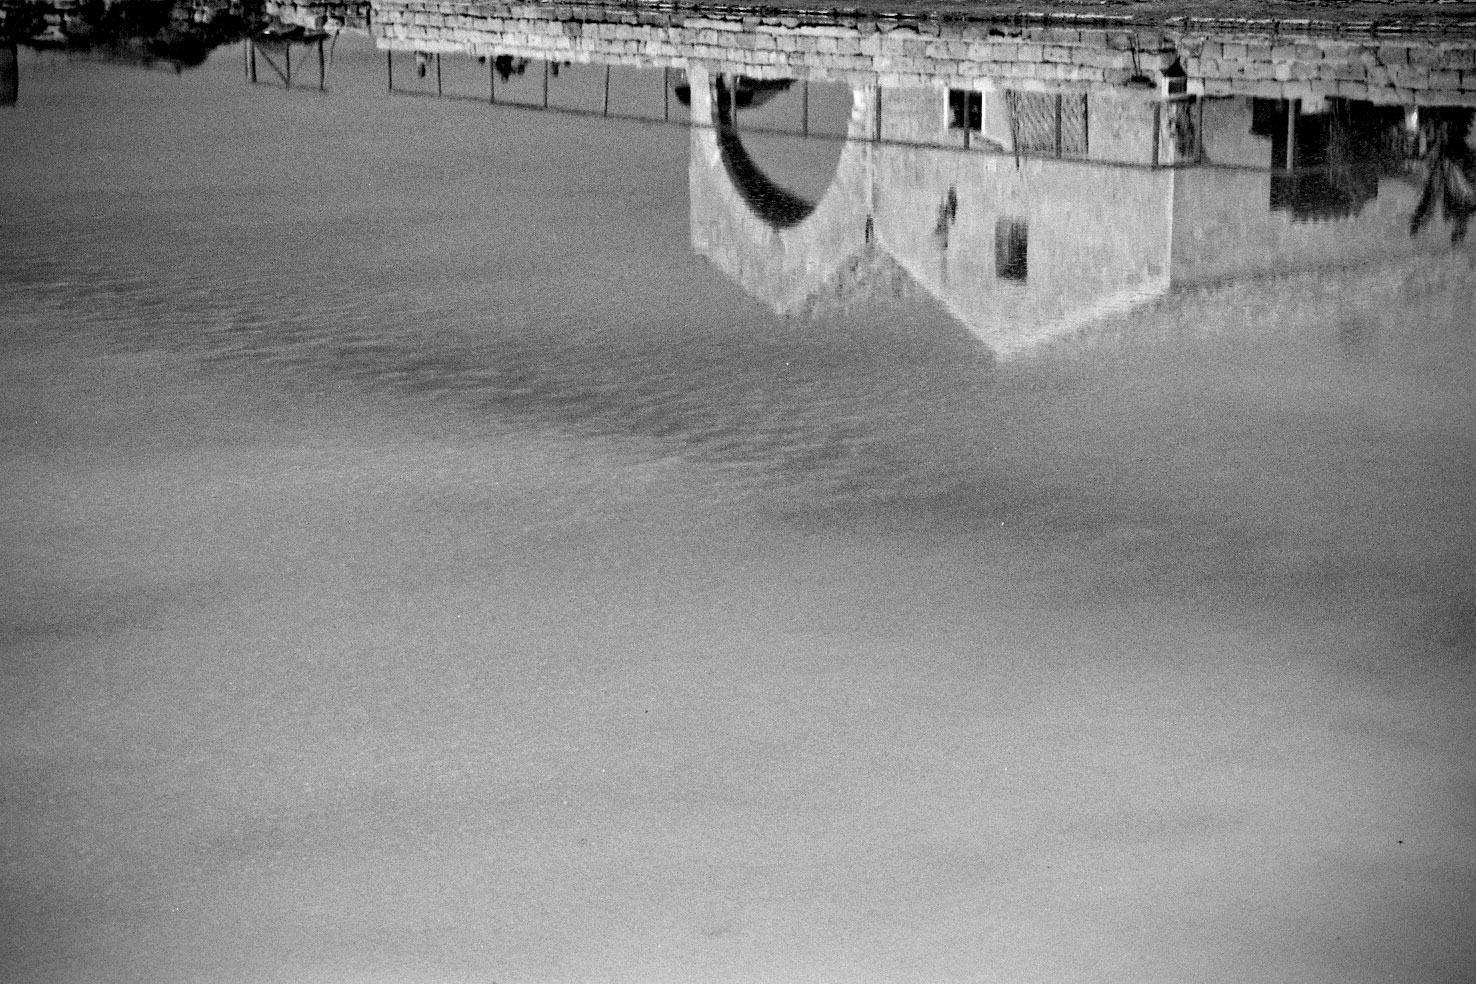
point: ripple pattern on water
(810, 409)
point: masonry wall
(1225, 229)
(898, 53)
(780, 268)
(1119, 127)
(1225, 133)
(1098, 238)
(918, 114)
(351, 14)
(1389, 72)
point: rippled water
(423, 566)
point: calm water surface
(431, 555)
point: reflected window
(965, 110)
(1049, 123)
(1011, 249)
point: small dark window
(1011, 249)
(965, 110)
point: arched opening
(776, 205)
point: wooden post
(389, 68)
(246, 58)
(322, 69)
(492, 78)
(877, 135)
(438, 73)
(666, 95)
(287, 56)
(252, 46)
(545, 83)
(607, 91)
(805, 108)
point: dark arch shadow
(777, 206)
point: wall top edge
(1405, 19)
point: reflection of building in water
(177, 32)
(1071, 54)
(9, 75)
(994, 242)
(1021, 249)
(1030, 177)
(1287, 188)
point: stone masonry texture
(1281, 60)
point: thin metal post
(252, 46)
(1058, 126)
(492, 78)
(878, 128)
(246, 58)
(438, 73)
(1086, 127)
(606, 111)
(1199, 131)
(322, 69)
(545, 83)
(666, 94)
(389, 68)
(1293, 106)
(1157, 126)
(805, 108)
(287, 55)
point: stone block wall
(1224, 229)
(860, 51)
(323, 14)
(1098, 239)
(946, 54)
(1394, 71)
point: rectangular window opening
(966, 110)
(1011, 249)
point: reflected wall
(1030, 178)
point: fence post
(1292, 108)
(1058, 125)
(1157, 129)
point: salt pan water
(423, 563)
